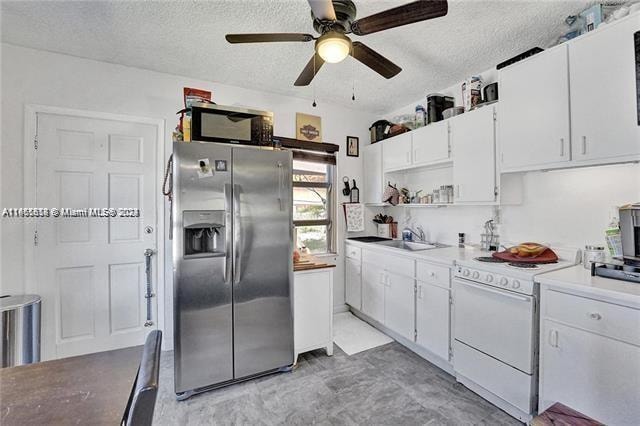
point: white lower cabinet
(353, 283)
(399, 304)
(596, 375)
(373, 285)
(409, 297)
(432, 318)
(313, 311)
(590, 357)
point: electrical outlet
(497, 215)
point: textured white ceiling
(187, 38)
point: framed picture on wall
(308, 127)
(353, 146)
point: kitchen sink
(410, 246)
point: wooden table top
(89, 389)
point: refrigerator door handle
(227, 234)
(237, 240)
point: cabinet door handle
(419, 292)
(561, 147)
(553, 338)
(584, 145)
(595, 316)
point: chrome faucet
(419, 233)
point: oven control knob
(465, 272)
(504, 281)
(476, 275)
(516, 284)
(489, 278)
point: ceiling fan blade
(308, 73)
(323, 9)
(267, 38)
(402, 15)
(374, 60)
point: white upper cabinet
(604, 104)
(396, 152)
(372, 169)
(533, 129)
(430, 144)
(473, 143)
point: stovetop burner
(523, 265)
(489, 259)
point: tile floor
(387, 385)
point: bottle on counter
(354, 196)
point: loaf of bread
(528, 250)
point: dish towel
(354, 216)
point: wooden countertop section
(89, 390)
(309, 263)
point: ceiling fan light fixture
(333, 47)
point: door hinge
(35, 238)
(495, 115)
(415, 335)
(450, 299)
(450, 353)
(495, 191)
(35, 142)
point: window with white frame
(313, 204)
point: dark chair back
(142, 401)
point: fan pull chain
(314, 104)
(353, 77)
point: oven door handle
(503, 293)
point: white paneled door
(90, 271)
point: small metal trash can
(20, 329)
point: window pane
(309, 203)
(314, 238)
(305, 171)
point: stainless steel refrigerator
(232, 260)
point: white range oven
(495, 331)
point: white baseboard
(338, 309)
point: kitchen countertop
(310, 263)
(445, 255)
(579, 279)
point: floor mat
(354, 335)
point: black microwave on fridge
(228, 124)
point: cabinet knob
(595, 316)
